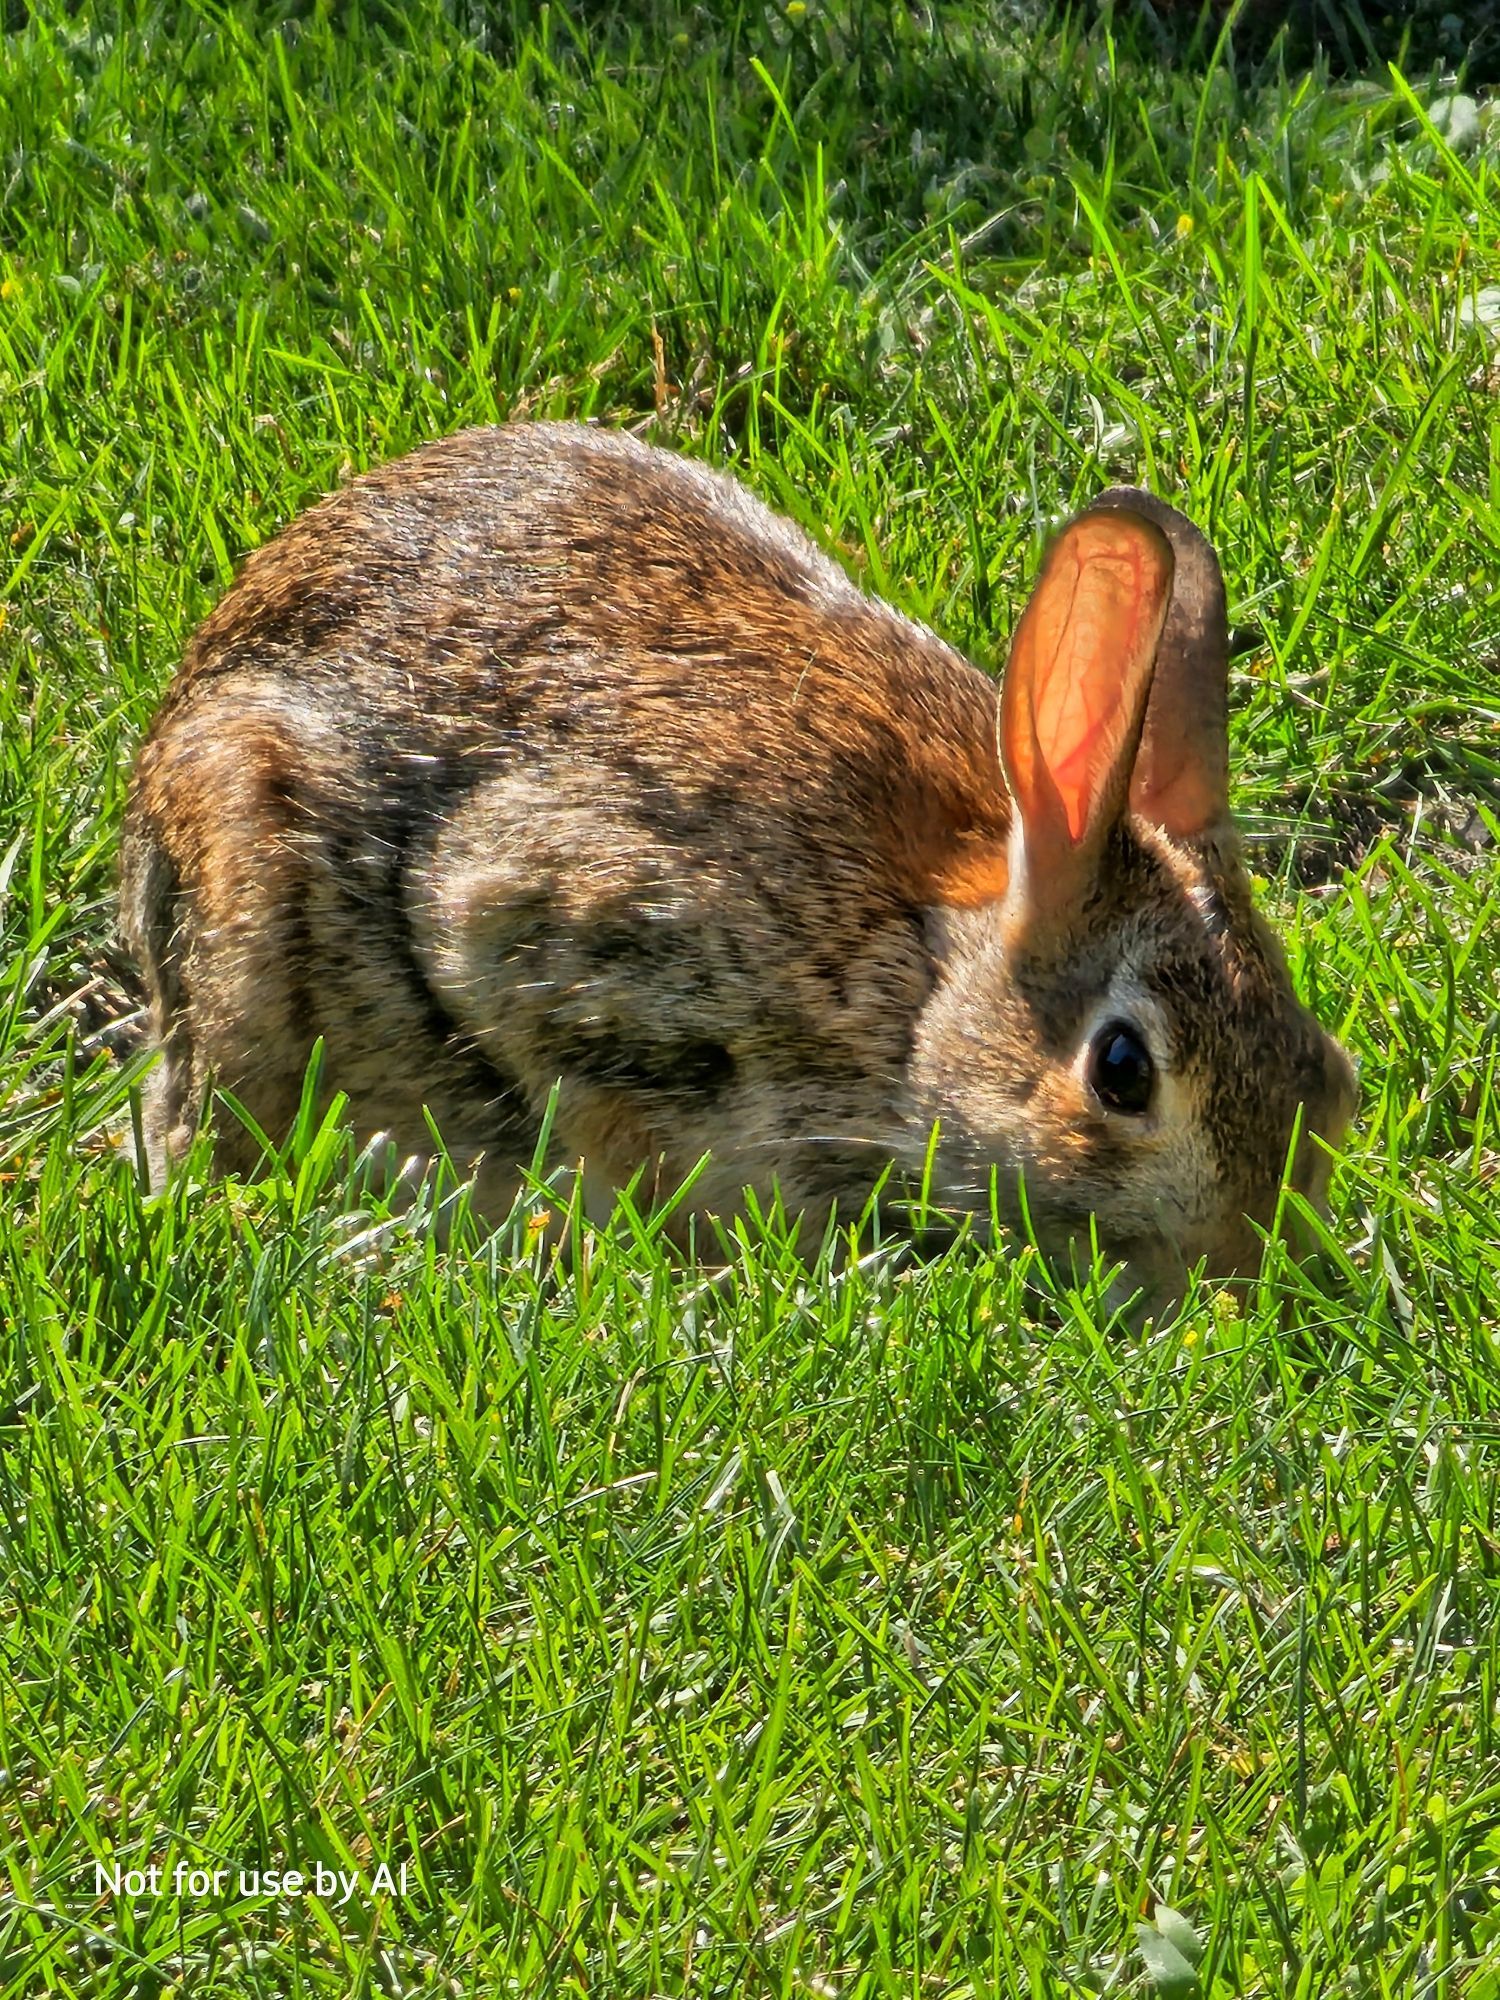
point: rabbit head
(1118, 1031)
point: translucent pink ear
(1075, 692)
(1181, 777)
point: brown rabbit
(542, 758)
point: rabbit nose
(1324, 1124)
(1312, 1165)
(1341, 1092)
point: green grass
(795, 1624)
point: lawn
(817, 1619)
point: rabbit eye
(1120, 1070)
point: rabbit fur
(542, 759)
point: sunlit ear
(1075, 696)
(1181, 777)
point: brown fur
(541, 758)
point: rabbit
(545, 761)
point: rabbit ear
(1075, 696)
(1181, 777)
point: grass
(797, 1623)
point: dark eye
(1120, 1070)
